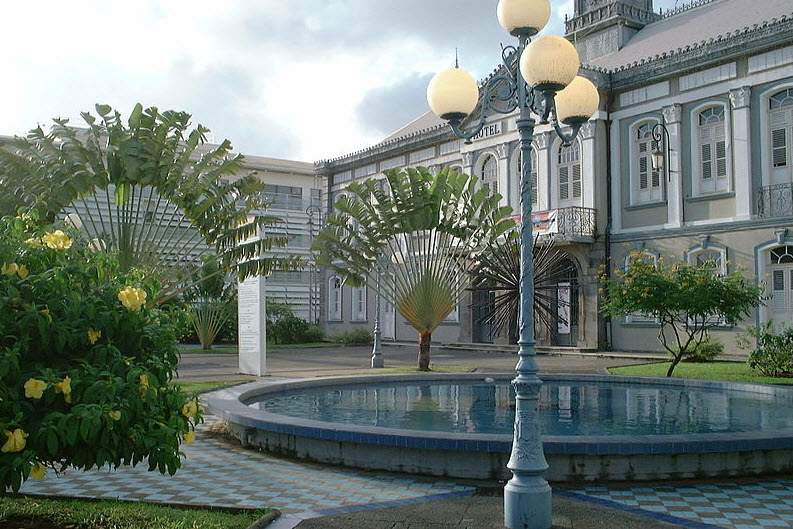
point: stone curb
(265, 520)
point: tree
(687, 300)
(419, 233)
(498, 271)
(211, 301)
(85, 364)
(149, 190)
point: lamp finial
(456, 63)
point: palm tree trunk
(425, 339)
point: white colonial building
(718, 74)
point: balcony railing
(775, 201)
(565, 223)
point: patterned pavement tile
(221, 473)
(733, 505)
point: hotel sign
(493, 129)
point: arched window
(781, 286)
(489, 173)
(781, 120)
(569, 173)
(334, 298)
(535, 192)
(646, 182)
(359, 304)
(711, 150)
(651, 258)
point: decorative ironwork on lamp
(539, 78)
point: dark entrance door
(565, 329)
(482, 305)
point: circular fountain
(595, 427)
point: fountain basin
(740, 440)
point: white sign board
(252, 326)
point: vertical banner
(252, 326)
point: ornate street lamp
(545, 84)
(661, 149)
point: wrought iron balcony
(573, 223)
(775, 201)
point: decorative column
(741, 99)
(542, 140)
(588, 153)
(674, 177)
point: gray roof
(694, 26)
(426, 121)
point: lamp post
(539, 79)
(377, 356)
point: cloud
(385, 109)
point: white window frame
(772, 175)
(517, 160)
(638, 318)
(641, 152)
(358, 296)
(691, 257)
(490, 181)
(335, 298)
(709, 177)
(568, 163)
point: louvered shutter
(577, 181)
(705, 157)
(564, 183)
(643, 172)
(779, 147)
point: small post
(377, 356)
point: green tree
(211, 301)
(85, 365)
(149, 190)
(687, 300)
(418, 233)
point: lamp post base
(527, 503)
(377, 360)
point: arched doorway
(781, 286)
(564, 330)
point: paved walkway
(219, 472)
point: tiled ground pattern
(218, 472)
(735, 505)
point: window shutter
(721, 158)
(534, 184)
(779, 290)
(643, 172)
(656, 179)
(564, 189)
(779, 147)
(576, 181)
(706, 161)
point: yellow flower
(57, 240)
(46, 313)
(190, 409)
(65, 387)
(15, 441)
(93, 336)
(37, 471)
(144, 384)
(34, 388)
(115, 415)
(9, 269)
(35, 242)
(189, 438)
(132, 298)
(22, 271)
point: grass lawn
(202, 387)
(732, 371)
(17, 512)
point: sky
(295, 79)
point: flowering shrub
(85, 364)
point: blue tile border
(635, 510)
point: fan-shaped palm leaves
(420, 232)
(498, 271)
(149, 190)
